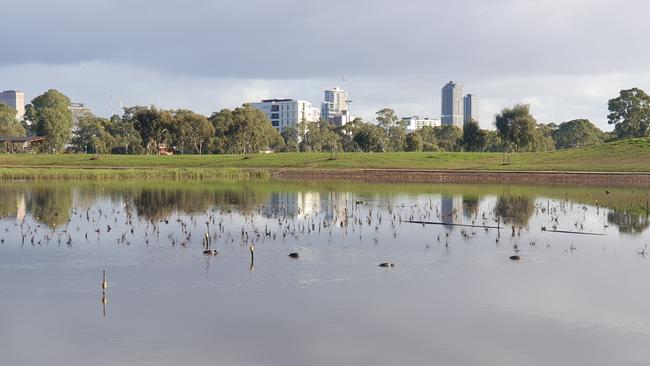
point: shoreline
(575, 178)
(620, 179)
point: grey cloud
(307, 39)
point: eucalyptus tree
(577, 133)
(516, 126)
(9, 125)
(51, 117)
(630, 113)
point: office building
(335, 109)
(285, 113)
(471, 108)
(452, 104)
(415, 123)
(16, 100)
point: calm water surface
(454, 296)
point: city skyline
(379, 67)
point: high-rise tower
(452, 104)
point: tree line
(246, 130)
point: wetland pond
(577, 295)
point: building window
(275, 115)
(275, 108)
(275, 123)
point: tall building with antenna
(336, 107)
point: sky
(564, 58)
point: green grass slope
(631, 155)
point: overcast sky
(565, 58)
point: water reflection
(172, 304)
(629, 222)
(516, 210)
(53, 205)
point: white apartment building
(16, 100)
(285, 113)
(415, 123)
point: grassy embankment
(632, 155)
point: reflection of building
(415, 123)
(285, 113)
(329, 205)
(16, 100)
(309, 203)
(451, 209)
(336, 107)
(281, 203)
(21, 207)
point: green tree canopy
(448, 138)
(474, 138)
(414, 142)
(429, 138)
(387, 118)
(51, 117)
(154, 125)
(92, 135)
(543, 137)
(493, 142)
(516, 126)
(319, 136)
(9, 125)
(630, 113)
(244, 130)
(291, 139)
(126, 139)
(191, 131)
(371, 138)
(577, 133)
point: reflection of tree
(516, 210)
(244, 199)
(8, 202)
(470, 206)
(628, 222)
(51, 205)
(156, 204)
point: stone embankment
(474, 177)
